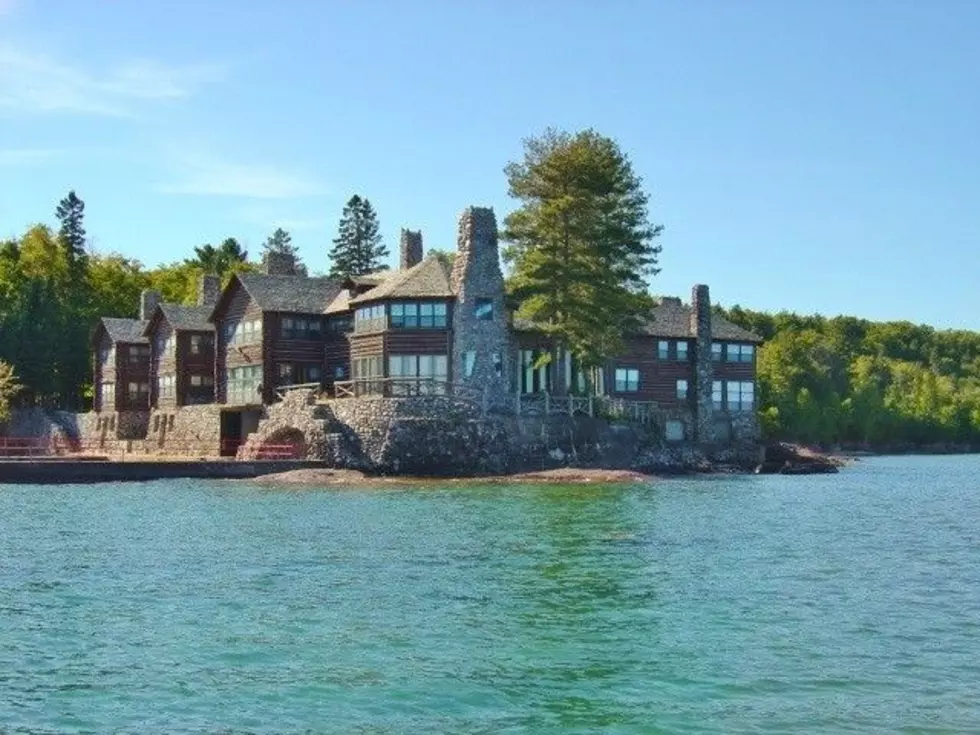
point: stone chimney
(279, 264)
(149, 300)
(704, 425)
(481, 339)
(208, 289)
(670, 301)
(410, 249)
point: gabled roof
(672, 319)
(124, 330)
(426, 280)
(297, 294)
(181, 318)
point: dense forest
(851, 381)
(840, 380)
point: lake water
(847, 603)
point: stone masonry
(481, 337)
(410, 249)
(704, 432)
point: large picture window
(627, 380)
(369, 318)
(244, 333)
(418, 374)
(243, 385)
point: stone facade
(193, 431)
(704, 432)
(208, 290)
(149, 301)
(410, 249)
(481, 335)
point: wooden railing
(282, 390)
(405, 388)
(545, 404)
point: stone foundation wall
(188, 431)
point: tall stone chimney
(481, 339)
(208, 289)
(279, 264)
(149, 300)
(410, 250)
(704, 425)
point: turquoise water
(831, 604)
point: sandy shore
(355, 479)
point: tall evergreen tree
(358, 248)
(71, 215)
(281, 242)
(581, 245)
(9, 387)
(226, 257)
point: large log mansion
(427, 327)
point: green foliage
(581, 245)
(52, 294)
(358, 248)
(9, 388)
(849, 380)
(448, 257)
(281, 242)
(220, 260)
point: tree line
(850, 381)
(53, 291)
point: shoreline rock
(355, 479)
(792, 459)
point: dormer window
(484, 309)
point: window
(418, 374)
(104, 355)
(339, 372)
(202, 381)
(484, 309)
(138, 354)
(535, 372)
(166, 387)
(674, 431)
(469, 363)
(108, 394)
(284, 373)
(681, 348)
(404, 316)
(716, 348)
(741, 395)
(243, 384)
(197, 344)
(137, 392)
(432, 316)
(740, 353)
(369, 318)
(340, 324)
(310, 328)
(716, 397)
(663, 349)
(682, 390)
(627, 380)
(243, 333)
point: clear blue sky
(813, 156)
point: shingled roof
(124, 330)
(290, 293)
(187, 318)
(672, 319)
(427, 280)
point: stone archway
(285, 443)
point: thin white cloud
(205, 175)
(26, 156)
(39, 83)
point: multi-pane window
(166, 386)
(199, 343)
(288, 373)
(418, 315)
(535, 372)
(369, 318)
(340, 324)
(108, 394)
(138, 354)
(302, 328)
(202, 381)
(137, 392)
(484, 309)
(716, 351)
(663, 349)
(432, 316)
(244, 333)
(741, 395)
(681, 347)
(717, 399)
(367, 367)
(682, 390)
(418, 374)
(627, 380)
(739, 353)
(243, 384)
(110, 356)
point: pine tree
(71, 215)
(358, 248)
(72, 364)
(581, 245)
(226, 257)
(281, 242)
